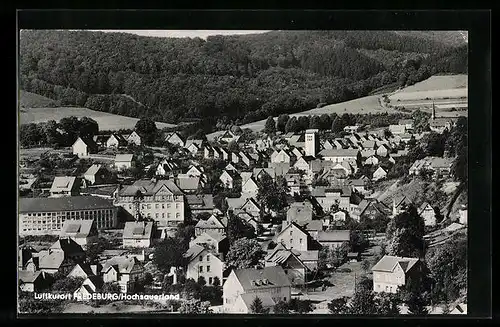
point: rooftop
(68, 203)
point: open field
(438, 82)
(105, 120)
(434, 94)
(33, 100)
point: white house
(250, 187)
(134, 138)
(372, 161)
(124, 270)
(175, 139)
(426, 211)
(115, 141)
(270, 284)
(138, 234)
(382, 150)
(339, 155)
(83, 232)
(124, 161)
(392, 272)
(202, 262)
(84, 146)
(379, 174)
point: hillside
(32, 100)
(241, 78)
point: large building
(312, 142)
(41, 216)
(160, 200)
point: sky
(186, 33)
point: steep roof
(339, 152)
(200, 200)
(388, 263)
(193, 251)
(127, 157)
(150, 187)
(50, 260)
(68, 246)
(138, 230)
(188, 183)
(66, 203)
(88, 141)
(211, 222)
(334, 236)
(124, 264)
(26, 276)
(255, 279)
(77, 228)
(94, 169)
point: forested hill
(232, 78)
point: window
(210, 280)
(168, 205)
(208, 268)
(157, 215)
(300, 241)
(201, 268)
(157, 206)
(163, 215)
(291, 233)
(201, 258)
(177, 206)
(208, 257)
(149, 206)
(168, 215)
(177, 215)
(163, 205)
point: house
(90, 285)
(65, 186)
(161, 200)
(279, 168)
(245, 175)
(270, 284)
(168, 168)
(229, 136)
(175, 139)
(85, 270)
(295, 237)
(259, 172)
(100, 140)
(297, 140)
(391, 272)
(281, 156)
(203, 262)
(408, 123)
(25, 254)
(379, 174)
(217, 242)
(247, 159)
(328, 197)
(60, 257)
(426, 211)
(351, 129)
(382, 150)
(188, 185)
(339, 155)
(397, 129)
(84, 146)
(138, 234)
(96, 174)
(338, 215)
(399, 204)
(193, 147)
(212, 226)
(199, 203)
(116, 141)
(297, 153)
(229, 178)
(224, 154)
(250, 207)
(134, 138)
(124, 161)
(358, 184)
(333, 238)
(353, 256)
(440, 124)
(125, 270)
(371, 161)
(29, 281)
(370, 209)
(83, 232)
(293, 267)
(250, 187)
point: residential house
(383, 150)
(397, 129)
(138, 234)
(124, 161)
(367, 153)
(358, 184)
(297, 153)
(351, 129)
(279, 168)
(188, 185)
(100, 140)
(245, 176)
(440, 124)
(399, 204)
(25, 254)
(90, 285)
(379, 174)
(297, 140)
(293, 236)
(29, 281)
(370, 209)
(281, 156)
(175, 139)
(161, 200)
(408, 123)
(250, 207)
(194, 146)
(259, 172)
(125, 270)
(440, 166)
(200, 203)
(224, 154)
(229, 178)
(299, 212)
(60, 257)
(229, 136)
(391, 272)
(116, 141)
(212, 226)
(84, 146)
(372, 161)
(65, 186)
(134, 138)
(216, 242)
(293, 267)
(338, 215)
(333, 238)
(247, 159)
(204, 262)
(328, 197)
(168, 168)
(83, 232)
(339, 155)
(43, 216)
(426, 211)
(85, 270)
(96, 174)
(250, 187)
(270, 284)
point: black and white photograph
(268, 172)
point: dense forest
(225, 78)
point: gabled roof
(193, 252)
(339, 152)
(388, 263)
(138, 230)
(94, 169)
(77, 228)
(88, 141)
(121, 140)
(26, 276)
(204, 237)
(188, 183)
(211, 222)
(203, 200)
(68, 246)
(255, 279)
(50, 260)
(150, 187)
(123, 264)
(334, 236)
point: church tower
(312, 142)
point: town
(330, 214)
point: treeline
(240, 78)
(57, 134)
(336, 123)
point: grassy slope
(33, 100)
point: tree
(233, 146)
(338, 306)
(362, 302)
(67, 284)
(237, 229)
(88, 127)
(405, 234)
(365, 265)
(257, 307)
(282, 122)
(168, 254)
(202, 281)
(270, 126)
(281, 307)
(292, 125)
(244, 253)
(271, 195)
(337, 126)
(146, 128)
(315, 122)
(111, 287)
(94, 249)
(387, 133)
(300, 306)
(387, 304)
(459, 167)
(194, 307)
(216, 281)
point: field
(105, 120)
(439, 82)
(33, 100)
